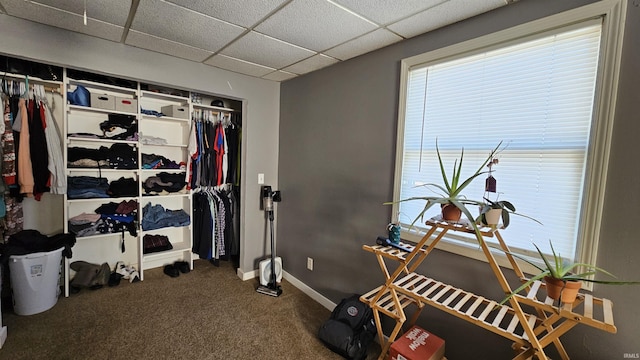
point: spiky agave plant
(561, 269)
(450, 191)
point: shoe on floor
(102, 277)
(122, 270)
(114, 279)
(171, 271)
(183, 266)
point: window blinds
(537, 97)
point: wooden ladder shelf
(530, 331)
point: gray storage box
(126, 104)
(103, 101)
(176, 111)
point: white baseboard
(310, 292)
(3, 335)
(244, 276)
(295, 282)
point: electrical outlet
(310, 263)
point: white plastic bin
(34, 280)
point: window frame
(612, 13)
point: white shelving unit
(80, 121)
(107, 247)
(176, 133)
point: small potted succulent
(491, 212)
(561, 281)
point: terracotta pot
(566, 292)
(451, 213)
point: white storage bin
(103, 101)
(176, 111)
(34, 280)
(126, 104)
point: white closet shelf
(97, 85)
(99, 236)
(71, 139)
(163, 118)
(163, 145)
(209, 107)
(71, 108)
(70, 171)
(159, 170)
(174, 195)
(177, 248)
(104, 200)
(161, 96)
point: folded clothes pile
(153, 161)
(108, 218)
(155, 243)
(164, 182)
(156, 217)
(119, 127)
(87, 187)
(117, 156)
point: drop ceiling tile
(447, 13)
(279, 76)
(364, 44)
(62, 19)
(314, 24)
(387, 11)
(172, 22)
(310, 64)
(153, 43)
(239, 66)
(266, 51)
(245, 13)
(113, 11)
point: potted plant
(492, 211)
(561, 282)
(450, 198)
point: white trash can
(34, 280)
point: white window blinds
(537, 97)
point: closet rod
(19, 77)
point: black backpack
(350, 329)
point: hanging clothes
(58, 180)
(38, 148)
(25, 168)
(213, 225)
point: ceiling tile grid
(169, 21)
(245, 13)
(237, 65)
(271, 39)
(61, 17)
(314, 24)
(264, 50)
(158, 44)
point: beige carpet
(208, 313)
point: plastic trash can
(34, 280)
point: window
(545, 96)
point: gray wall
(337, 148)
(24, 39)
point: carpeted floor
(208, 313)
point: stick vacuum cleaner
(272, 288)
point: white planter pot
(492, 216)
